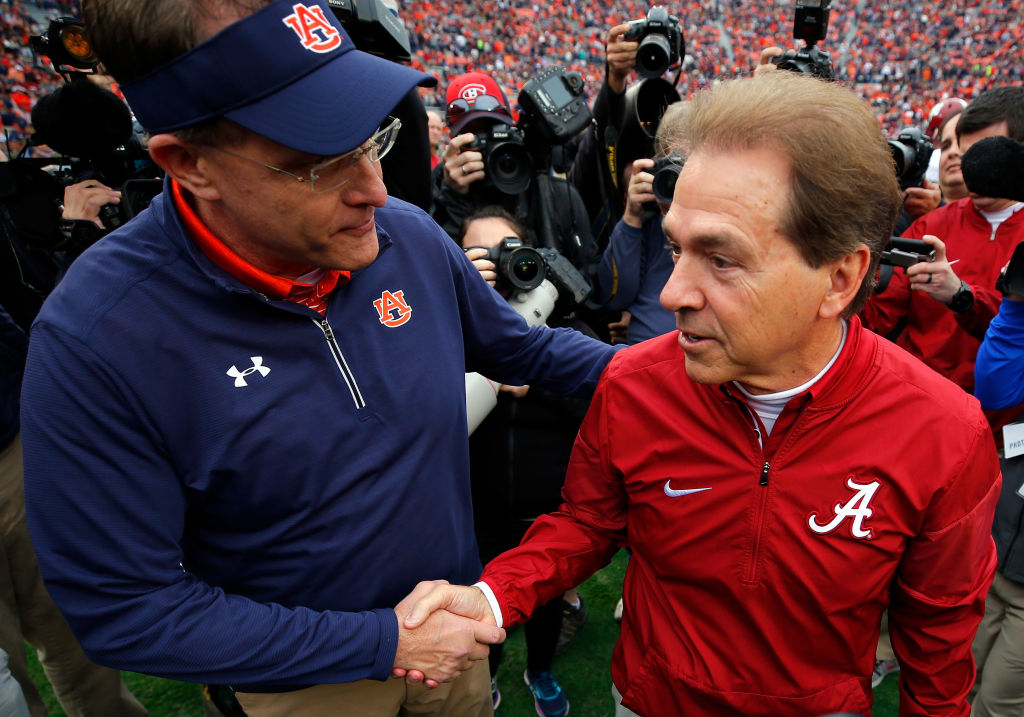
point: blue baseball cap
(288, 72)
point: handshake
(442, 630)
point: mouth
(689, 339)
(360, 229)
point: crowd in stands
(902, 58)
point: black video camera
(907, 252)
(661, 41)
(810, 23)
(666, 171)
(373, 28)
(522, 268)
(911, 152)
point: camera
(666, 172)
(911, 152)
(521, 268)
(507, 163)
(373, 28)
(553, 107)
(810, 23)
(907, 252)
(1011, 278)
(553, 111)
(661, 41)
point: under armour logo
(857, 509)
(314, 32)
(239, 376)
(472, 91)
(392, 309)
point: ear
(845, 278)
(186, 162)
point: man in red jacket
(946, 304)
(780, 473)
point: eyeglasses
(334, 172)
(480, 103)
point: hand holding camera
(620, 54)
(84, 200)
(462, 166)
(639, 193)
(936, 277)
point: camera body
(666, 171)
(810, 24)
(661, 41)
(554, 109)
(911, 152)
(373, 28)
(522, 268)
(907, 252)
(519, 267)
(809, 60)
(507, 163)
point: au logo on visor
(314, 31)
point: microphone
(994, 167)
(81, 119)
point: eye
(673, 249)
(720, 262)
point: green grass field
(583, 670)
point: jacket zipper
(762, 501)
(339, 359)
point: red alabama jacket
(759, 574)
(946, 341)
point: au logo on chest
(855, 509)
(392, 308)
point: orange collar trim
(277, 287)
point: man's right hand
(485, 266)
(621, 57)
(85, 199)
(462, 168)
(443, 633)
(639, 192)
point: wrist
(962, 300)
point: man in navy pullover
(244, 415)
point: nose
(366, 186)
(682, 290)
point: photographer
(624, 123)
(514, 173)
(636, 264)
(946, 304)
(518, 457)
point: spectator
(756, 427)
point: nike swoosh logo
(676, 493)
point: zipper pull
(328, 332)
(764, 473)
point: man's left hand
(935, 278)
(918, 201)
